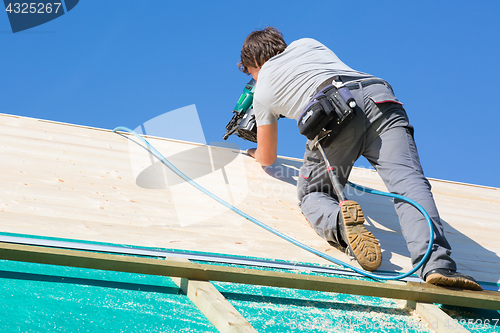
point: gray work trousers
(382, 134)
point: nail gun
(243, 122)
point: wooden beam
(213, 305)
(436, 319)
(411, 291)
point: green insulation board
(46, 298)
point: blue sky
(110, 63)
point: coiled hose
(398, 276)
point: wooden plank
(410, 291)
(436, 319)
(213, 304)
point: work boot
(360, 242)
(449, 278)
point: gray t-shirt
(289, 80)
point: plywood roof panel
(67, 181)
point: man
(287, 78)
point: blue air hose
(287, 238)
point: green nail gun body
(243, 122)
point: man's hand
(267, 144)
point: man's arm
(267, 144)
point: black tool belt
(330, 109)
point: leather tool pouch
(327, 110)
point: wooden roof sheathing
(75, 182)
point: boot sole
(454, 282)
(361, 242)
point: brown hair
(260, 46)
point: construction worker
(287, 78)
